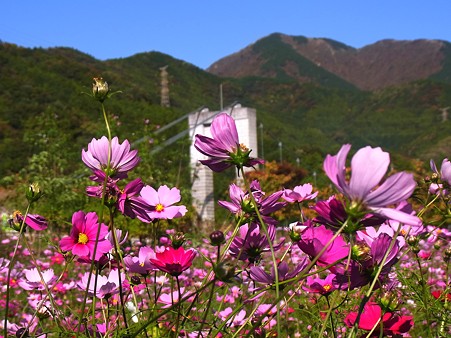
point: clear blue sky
(203, 31)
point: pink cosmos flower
(122, 159)
(444, 178)
(141, 264)
(161, 203)
(33, 281)
(241, 203)
(366, 260)
(445, 170)
(299, 193)
(364, 189)
(392, 323)
(131, 204)
(82, 238)
(314, 239)
(332, 213)
(174, 261)
(259, 275)
(251, 242)
(322, 286)
(224, 149)
(103, 287)
(36, 222)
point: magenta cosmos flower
(314, 239)
(365, 189)
(122, 159)
(82, 238)
(161, 203)
(36, 222)
(174, 261)
(392, 324)
(224, 148)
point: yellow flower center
(327, 287)
(82, 238)
(159, 207)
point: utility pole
(164, 87)
(280, 151)
(444, 113)
(262, 153)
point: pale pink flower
(161, 202)
(299, 193)
(366, 188)
(122, 158)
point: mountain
(331, 63)
(43, 106)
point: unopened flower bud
(413, 240)
(22, 333)
(217, 238)
(100, 89)
(438, 244)
(16, 221)
(360, 252)
(447, 254)
(178, 239)
(296, 230)
(435, 177)
(389, 301)
(33, 193)
(224, 271)
(135, 280)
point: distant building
(202, 185)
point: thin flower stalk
(85, 297)
(10, 267)
(271, 247)
(375, 280)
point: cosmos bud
(178, 239)
(217, 238)
(33, 193)
(100, 89)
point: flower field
(370, 260)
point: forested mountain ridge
(320, 60)
(43, 108)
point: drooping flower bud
(100, 89)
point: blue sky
(201, 32)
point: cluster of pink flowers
(254, 280)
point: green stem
(425, 296)
(271, 247)
(85, 297)
(10, 267)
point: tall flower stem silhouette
(100, 92)
(10, 267)
(271, 247)
(425, 293)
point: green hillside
(43, 108)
